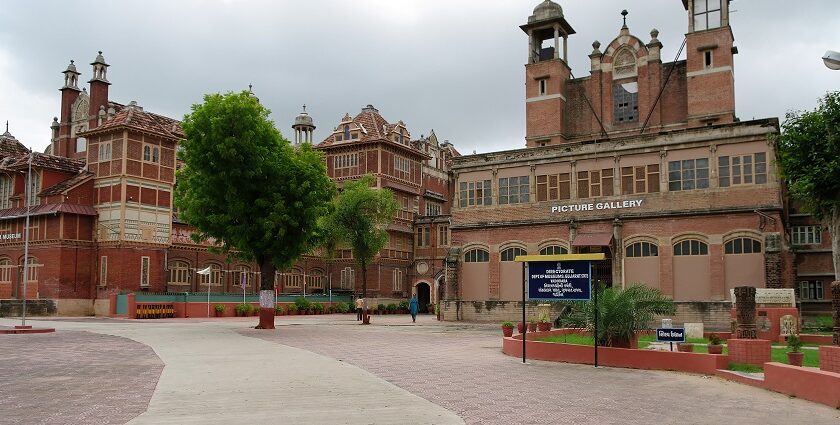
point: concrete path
(215, 375)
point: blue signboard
(559, 280)
(670, 334)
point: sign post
(553, 278)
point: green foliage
(621, 312)
(794, 343)
(824, 323)
(507, 324)
(403, 305)
(318, 307)
(809, 155)
(244, 187)
(219, 308)
(278, 309)
(380, 307)
(532, 319)
(543, 318)
(291, 308)
(747, 368)
(302, 304)
(391, 307)
(714, 339)
(242, 308)
(341, 308)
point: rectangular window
(475, 193)
(640, 179)
(707, 14)
(103, 271)
(811, 290)
(707, 58)
(543, 83)
(553, 187)
(398, 280)
(595, 183)
(348, 278)
(144, 271)
(443, 235)
(688, 174)
(423, 236)
(34, 188)
(346, 160)
(625, 105)
(806, 235)
(105, 151)
(432, 208)
(5, 191)
(513, 190)
(81, 144)
(741, 170)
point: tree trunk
(365, 316)
(267, 270)
(834, 230)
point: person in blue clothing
(412, 308)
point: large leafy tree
(621, 312)
(360, 216)
(808, 152)
(245, 187)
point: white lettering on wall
(597, 206)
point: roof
(43, 160)
(134, 117)
(9, 146)
(593, 239)
(59, 188)
(44, 209)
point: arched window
(155, 155)
(553, 250)
(315, 280)
(32, 265)
(6, 268)
(215, 276)
(510, 254)
(34, 188)
(642, 249)
(5, 191)
(691, 247)
(477, 255)
(179, 273)
(147, 153)
(742, 246)
(346, 132)
(242, 274)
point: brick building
(102, 219)
(642, 160)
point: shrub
(825, 323)
(392, 308)
(341, 308)
(242, 309)
(794, 343)
(302, 304)
(507, 324)
(714, 339)
(380, 307)
(291, 309)
(543, 318)
(278, 309)
(403, 305)
(317, 307)
(220, 308)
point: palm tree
(621, 312)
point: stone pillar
(745, 312)
(557, 41)
(835, 304)
(773, 261)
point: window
(443, 235)
(34, 188)
(5, 191)
(625, 104)
(553, 250)
(691, 247)
(510, 254)
(688, 174)
(746, 169)
(105, 151)
(315, 280)
(811, 290)
(476, 255)
(214, 278)
(292, 280)
(806, 235)
(103, 271)
(32, 273)
(348, 278)
(513, 190)
(641, 249)
(155, 155)
(475, 193)
(595, 183)
(242, 275)
(81, 144)
(742, 246)
(179, 273)
(432, 208)
(553, 187)
(144, 271)
(543, 83)
(6, 268)
(346, 132)
(707, 59)
(346, 160)
(423, 236)
(640, 179)
(706, 14)
(397, 280)
(402, 164)
(147, 153)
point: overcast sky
(453, 66)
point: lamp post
(831, 59)
(28, 193)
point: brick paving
(462, 368)
(74, 377)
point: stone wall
(11, 308)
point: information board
(559, 280)
(670, 334)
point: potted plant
(403, 307)
(392, 308)
(380, 308)
(507, 328)
(685, 347)
(291, 309)
(795, 354)
(430, 308)
(278, 310)
(520, 327)
(714, 344)
(219, 309)
(242, 309)
(543, 323)
(532, 324)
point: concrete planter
(795, 359)
(715, 349)
(685, 347)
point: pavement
(329, 370)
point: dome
(303, 119)
(71, 68)
(545, 11)
(99, 59)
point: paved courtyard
(328, 369)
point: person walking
(412, 308)
(360, 303)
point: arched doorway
(423, 296)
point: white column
(557, 41)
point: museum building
(642, 160)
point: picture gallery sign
(597, 206)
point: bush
(794, 343)
(291, 309)
(302, 304)
(825, 323)
(714, 339)
(380, 308)
(243, 309)
(403, 306)
(392, 308)
(341, 308)
(220, 308)
(278, 309)
(318, 308)
(507, 324)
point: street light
(831, 59)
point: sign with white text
(597, 206)
(559, 280)
(670, 334)
(9, 236)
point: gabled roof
(64, 186)
(9, 146)
(134, 117)
(42, 160)
(372, 128)
(44, 209)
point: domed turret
(545, 11)
(303, 127)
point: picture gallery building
(642, 160)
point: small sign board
(559, 280)
(670, 334)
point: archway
(423, 296)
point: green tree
(245, 187)
(808, 152)
(360, 216)
(621, 312)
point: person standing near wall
(412, 308)
(360, 303)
